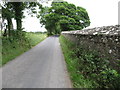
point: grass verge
(78, 80)
(13, 48)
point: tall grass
(35, 38)
(13, 48)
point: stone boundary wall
(105, 40)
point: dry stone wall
(105, 40)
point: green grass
(35, 38)
(78, 80)
(0, 51)
(14, 48)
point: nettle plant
(109, 78)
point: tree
(15, 10)
(18, 8)
(63, 16)
(8, 14)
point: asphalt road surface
(41, 67)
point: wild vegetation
(87, 69)
(16, 41)
(13, 47)
(63, 16)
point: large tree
(62, 16)
(20, 6)
(15, 10)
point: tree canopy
(63, 16)
(15, 10)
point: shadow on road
(55, 36)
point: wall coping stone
(105, 30)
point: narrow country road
(41, 67)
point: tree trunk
(2, 25)
(19, 24)
(10, 26)
(18, 14)
(5, 32)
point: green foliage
(97, 68)
(15, 10)
(66, 16)
(109, 78)
(7, 11)
(78, 80)
(14, 46)
(90, 65)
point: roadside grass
(0, 50)
(78, 80)
(35, 38)
(14, 48)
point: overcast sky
(101, 13)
